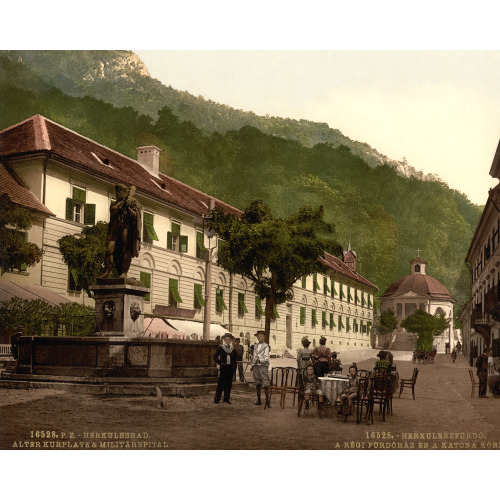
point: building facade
(418, 290)
(73, 178)
(481, 316)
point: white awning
(195, 328)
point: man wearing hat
(260, 367)
(225, 357)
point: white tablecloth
(332, 387)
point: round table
(332, 387)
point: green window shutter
(241, 303)
(183, 244)
(341, 325)
(313, 317)
(258, 304)
(348, 325)
(275, 311)
(173, 286)
(350, 296)
(90, 214)
(369, 327)
(363, 301)
(357, 297)
(342, 292)
(369, 301)
(332, 322)
(199, 241)
(69, 209)
(304, 281)
(169, 241)
(198, 294)
(79, 195)
(316, 284)
(24, 266)
(220, 300)
(334, 292)
(176, 229)
(326, 288)
(74, 275)
(149, 226)
(302, 315)
(324, 319)
(146, 280)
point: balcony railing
(492, 300)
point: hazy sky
(439, 109)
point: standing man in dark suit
(238, 348)
(482, 372)
(225, 357)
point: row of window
(327, 319)
(488, 249)
(78, 210)
(356, 297)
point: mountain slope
(120, 78)
(385, 215)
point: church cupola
(418, 265)
(350, 258)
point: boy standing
(260, 367)
(225, 357)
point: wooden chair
(409, 382)
(380, 393)
(291, 385)
(474, 383)
(363, 399)
(278, 381)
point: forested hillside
(385, 215)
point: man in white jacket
(260, 367)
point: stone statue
(124, 231)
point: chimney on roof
(149, 158)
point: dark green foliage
(426, 326)
(388, 322)
(385, 215)
(37, 317)
(85, 254)
(273, 253)
(15, 251)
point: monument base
(116, 357)
(119, 306)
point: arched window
(417, 268)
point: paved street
(442, 416)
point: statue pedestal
(119, 305)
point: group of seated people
(321, 361)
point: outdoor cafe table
(332, 387)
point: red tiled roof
(18, 192)
(419, 283)
(341, 268)
(38, 134)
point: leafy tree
(15, 251)
(85, 253)
(273, 253)
(387, 322)
(426, 326)
(37, 317)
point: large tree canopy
(84, 254)
(15, 251)
(426, 326)
(273, 253)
